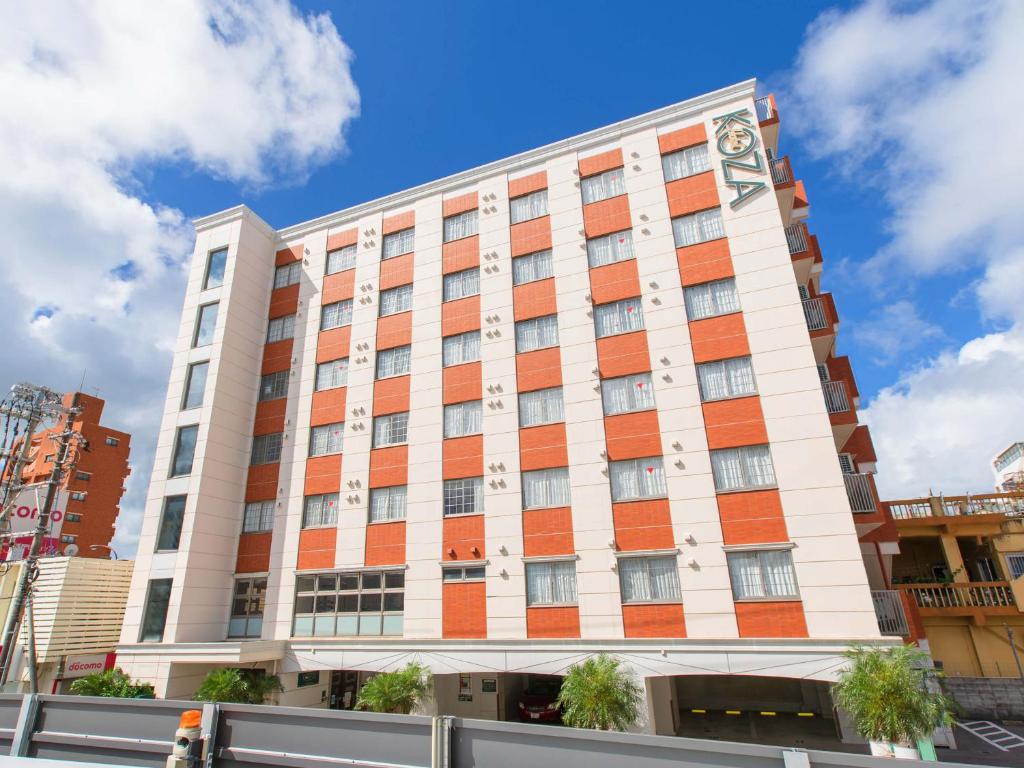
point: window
(78, 495)
(765, 574)
(154, 615)
(686, 162)
(396, 300)
(538, 333)
(85, 477)
(72, 517)
(1016, 562)
(618, 246)
(113, 441)
(464, 496)
(392, 429)
(320, 511)
(184, 450)
(461, 348)
(460, 225)
(846, 464)
(171, 518)
(551, 583)
(287, 274)
(343, 604)
(67, 538)
(638, 479)
(388, 503)
(326, 438)
(545, 488)
(603, 185)
(205, 325)
(627, 394)
(711, 299)
(195, 388)
(398, 243)
(458, 285)
(341, 259)
(393, 362)
(332, 374)
(215, 264)
(280, 328)
(247, 607)
(698, 227)
(463, 419)
(736, 469)
(336, 315)
(258, 516)
(618, 317)
(469, 573)
(266, 449)
(543, 406)
(531, 206)
(649, 579)
(532, 267)
(726, 378)
(273, 386)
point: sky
(123, 121)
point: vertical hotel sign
(737, 143)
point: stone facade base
(987, 698)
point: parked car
(537, 702)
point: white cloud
(94, 94)
(895, 330)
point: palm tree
(112, 683)
(237, 686)
(600, 694)
(884, 691)
(396, 692)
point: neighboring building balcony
(966, 516)
(975, 599)
(892, 619)
(822, 319)
(860, 490)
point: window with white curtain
(458, 285)
(686, 162)
(531, 206)
(395, 300)
(698, 227)
(460, 348)
(608, 249)
(332, 374)
(544, 488)
(627, 394)
(287, 274)
(532, 267)
(464, 496)
(726, 378)
(637, 479)
(552, 583)
(281, 328)
(388, 503)
(394, 362)
(463, 419)
(649, 580)
(341, 259)
(320, 511)
(266, 449)
(737, 469)
(604, 185)
(326, 438)
(336, 315)
(398, 243)
(543, 406)
(391, 429)
(460, 225)
(618, 317)
(538, 333)
(711, 299)
(258, 517)
(764, 574)
(273, 386)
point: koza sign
(737, 142)
(24, 517)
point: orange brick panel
(524, 185)
(253, 553)
(692, 194)
(771, 619)
(277, 356)
(460, 254)
(542, 447)
(460, 316)
(316, 548)
(623, 354)
(730, 423)
(464, 610)
(460, 204)
(394, 330)
(333, 344)
(547, 532)
(288, 255)
(269, 417)
(323, 474)
(391, 395)
(534, 299)
(338, 240)
(328, 406)
(632, 435)
(613, 282)
(398, 222)
(261, 483)
(395, 272)
(284, 301)
(704, 262)
(840, 368)
(611, 215)
(462, 382)
(683, 138)
(461, 535)
(600, 163)
(860, 445)
(641, 525)
(659, 620)
(531, 236)
(389, 466)
(539, 369)
(554, 621)
(752, 517)
(339, 286)
(462, 457)
(385, 543)
(719, 337)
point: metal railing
(763, 107)
(795, 239)
(814, 313)
(1007, 504)
(978, 594)
(892, 621)
(836, 400)
(780, 170)
(858, 491)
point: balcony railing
(763, 107)
(892, 621)
(835, 396)
(956, 597)
(858, 490)
(1008, 504)
(796, 239)
(781, 173)
(814, 313)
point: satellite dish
(71, 550)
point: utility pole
(30, 404)
(1013, 647)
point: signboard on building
(80, 666)
(23, 519)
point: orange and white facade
(627, 448)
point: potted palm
(398, 692)
(112, 683)
(237, 686)
(600, 694)
(884, 690)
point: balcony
(976, 599)
(836, 400)
(841, 413)
(768, 120)
(892, 620)
(796, 239)
(814, 313)
(782, 171)
(860, 492)
(821, 317)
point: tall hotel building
(581, 399)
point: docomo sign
(25, 512)
(80, 666)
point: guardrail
(763, 107)
(781, 171)
(976, 594)
(892, 621)
(1007, 504)
(859, 492)
(814, 313)
(836, 400)
(796, 239)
